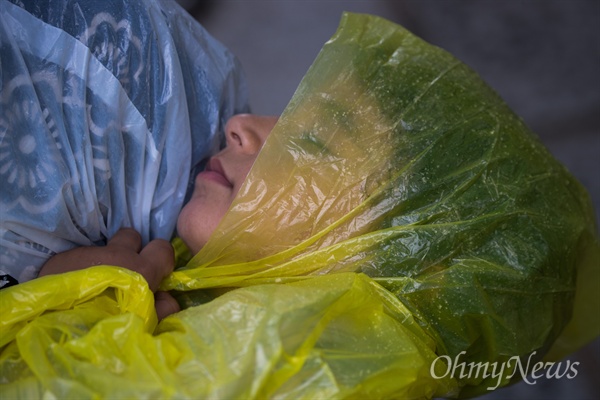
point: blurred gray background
(541, 56)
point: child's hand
(154, 262)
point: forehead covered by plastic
(386, 131)
(368, 105)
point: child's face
(216, 187)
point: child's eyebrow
(309, 142)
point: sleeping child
(214, 191)
(399, 213)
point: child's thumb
(128, 238)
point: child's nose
(248, 132)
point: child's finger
(160, 261)
(165, 304)
(128, 238)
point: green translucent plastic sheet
(398, 211)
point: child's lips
(214, 172)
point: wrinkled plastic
(334, 336)
(398, 211)
(394, 159)
(105, 109)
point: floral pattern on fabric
(105, 109)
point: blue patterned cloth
(106, 107)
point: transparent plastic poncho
(398, 212)
(105, 109)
